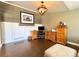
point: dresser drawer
(60, 30)
(61, 35)
(60, 40)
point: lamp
(42, 8)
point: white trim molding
(19, 6)
(73, 43)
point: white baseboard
(73, 43)
(14, 41)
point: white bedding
(60, 51)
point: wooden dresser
(61, 34)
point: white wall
(71, 18)
(13, 32)
(0, 34)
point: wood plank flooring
(27, 48)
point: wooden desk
(49, 35)
(58, 36)
(34, 34)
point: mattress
(59, 50)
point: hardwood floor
(27, 48)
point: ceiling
(53, 6)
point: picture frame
(26, 18)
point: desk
(49, 35)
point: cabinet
(34, 34)
(49, 35)
(61, 34)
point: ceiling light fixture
(42, 8)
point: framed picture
(26, 18)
